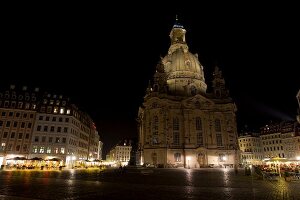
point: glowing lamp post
(188, 161)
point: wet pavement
(144, 184)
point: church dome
(184, 72)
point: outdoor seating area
(22, 163)
(289, 171)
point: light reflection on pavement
(139, 184)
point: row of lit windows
(15, 124)
(55, 110)
(274, 155)
(48, 150)
(20, 105)
(10, 147)
(13, 135)
(50, 139)
(51, 102)
(58, 129)
(271, 142)
(17, 115)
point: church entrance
(201, 159)
(154, 158)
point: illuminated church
(180, 124)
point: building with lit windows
(45, 127)
(250, 149)
(17, 116)
(281, 141)
(121, 153)
(179, 122)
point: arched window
(217, 125)
(175, 123)
(218, 132)
(176, 131)
(199, 131)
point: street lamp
(188, 161)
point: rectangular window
(56, 150)
(67, 120)
(43, 109)
(42, 149)
(45, 128)
(9, 147)
(40, 117)
(58, 129)
(54, 119)
(15, 124)
(219, 139)
(48, 149)
(217, 125)
(10, 114)
(24, 147)
(43, 138)
(25, 115)
(36, 138)
(199, 138)
(23, 125)
(27, 136)
(60, 119)
(176, 138)
(8, 124)
(18, 148)
(57, 140)
(12, 135)
(47, 118)
(50, 139)
(3, 146)
(34, 149)
(64, 140)
(52, 129)
(65, 129)
(62, 111)
(29, 125)
(20, 105)
(68, 111)
(27, 105)
(20, 136)
(55, 110)
(62, 150)
(38, 128)
(31, 116)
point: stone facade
(180, 124)
(251, 149)
(45, 126)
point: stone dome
(184, 72)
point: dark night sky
(103, 61)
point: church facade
(179, 123)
